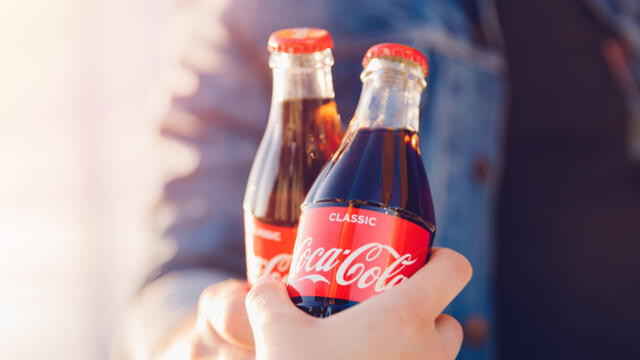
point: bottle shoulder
(378, 168)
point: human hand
(405, 322)
(219, 330)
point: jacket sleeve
(217, 96)
(213, 109)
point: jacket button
(476, 329)
(481, 169)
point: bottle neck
(390, 96)
(302, 76)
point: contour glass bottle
(368, 222)
(303, 131)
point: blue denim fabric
(461, 142)
(221, 119)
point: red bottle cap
(300, 40)
(390, 50)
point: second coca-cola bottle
(368, 223)
(303, 131)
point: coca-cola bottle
(367, 223)
(303, 131)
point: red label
(268, 248)
(352, 254)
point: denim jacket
(217, 104)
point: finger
(429, 290)
(437, 283)
(222, 308)
(450, 332)
(269, 306)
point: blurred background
(79, 158)
(74, 132)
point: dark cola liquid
(292, 153)
(379, 169)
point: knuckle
(255, 299)
(207, 296)
(459, 330)
(460, 263)
(451, 335)
(260, 290)
(454, 324)
(214, 290)
(218, 292)
(254, 293)
(210, 291)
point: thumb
(270, 308)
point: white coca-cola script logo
(277, 267)
(353, 269)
